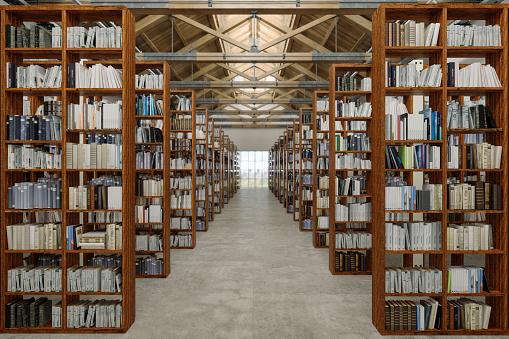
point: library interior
(293, 169)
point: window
(254, 169)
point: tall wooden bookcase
(12, 99)
(495, 261)
(306, 170)
(218, 170)
(272, 153)
(344, 131)
(186, 152)
(202, 163)
(162, 228)
(281, 168)
(225, 167)
(289, 159)
(237, 169)
(320, 233)
(296, 169)
(231, 169)
(210, 168)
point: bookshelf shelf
(296, 169)
(202, 126)
(67, 16)
(306, 151)
(340, 127)
(439, 99)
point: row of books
(417, 156)
(322, 147)
(410, 76)
(412, 315)
(183, 104)
(470, 115)
(95, 197)
(149, 81)
(33, 76)
(352, 161)
(181, 163)
(94, 279)
(413, 280)
(182, 122)
(411, 33)
(307, 132)
(35, 127)
(148, 105)
(353, 240)
(49, 107)
(145, 186)
(349, 261)
(411, 198)
(353, 185)
(95, 76)
(466, 279)
(95, 115)
(110, 239)
(473, 35)
(97, 313)
(34, 236)
(413, 236)
(322, 105)
(149, 265)
(468, 314)
(478, 156)
(322, 238)
(366, 84)
(46, 193)
(352, 142)
(148, 214)
(181, 200)
(28, 312)
(473, 75)
(148, 135)
(149, 242)
(181, 142)
(180, 223)
(94, 37)
(94, 155)
(401, 125)
(475, 195)
(34, 37)
(322, 163)
(353, 212)
(149, 160)
(352, 109)
(104, 217)
(323, 182)
(181, 240)
(347, 82)
(470, 237)
(26, 157)
(34, 279)
(322, 199)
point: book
(474, 35)
(409, 76)
(473, 75)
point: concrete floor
(252, 275)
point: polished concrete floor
(252, 275)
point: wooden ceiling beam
(329, 31)
(272, 71)
(148, 22)
(236, 71)
(231, 24)
(363, 24)
(150, 43)
(358, 42)
(213, 32)
(295, 32)
(302, 38)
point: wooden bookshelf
(305, 168)
(296, 169)
(281, 167)
(202, 115)
(210, 169)
(187, 152)
(319, 136)
(237, 169)
(335, 71)
(225, 168)
(218, 170)
(271, 169)
(496, 263)
(231, 169)
(289, 160)
(12, 99)
(163, 94)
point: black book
(71, 69)
(8, 33)
(482, 117)
(438, 319)
(490, 121)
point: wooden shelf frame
(218, 170)
(210, 169)
(318, 212)
(71, 16)
(205, 171)
(289, 186)
(296, 169)
(174, 172)
(305, 144)
(164, 94)
(496, 264)
(334, 71)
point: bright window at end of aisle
(254, 169)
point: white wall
(254, 139)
